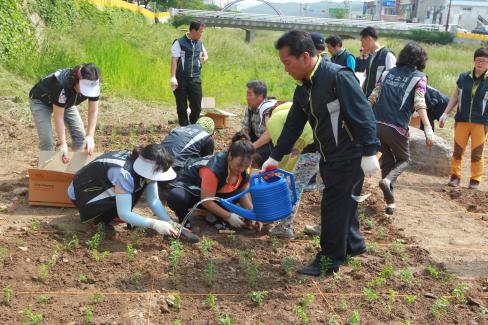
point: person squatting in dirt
(303, 160)
(222, 175)
(471, 119)
(329, 97)
(110, 186)
(398, 93)
(58, 94)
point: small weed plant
(130, 252)
(390, 301)
(252, 275)
(43, 272)
(96, 239)
(72, 243)
(83, 278)
(89, 315)
(99, 257)
(380, 233)
(376, 282)
(325, 265)
(135, 279)
(459, 292)
(211, 302)
(7, 296)
(410, 299)
(406, 276)
(210, 272)
(354, 263)
(342, 304)
(176, 251)
(370, 295)
(439, 307)
(355, 318)
(35, 225)
(258, 297)
(388, 272)
(97, 297)
(136, 235)
(316, 240)
(206, 245)
(287, 265)
(43, 299)
(275, 243)
(224, 319)
(28, 317)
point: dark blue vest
(341, 57)
(374, 69)
(472, 108)
(395, 104)
(189, 65)
(94, 192)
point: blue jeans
(42, 117)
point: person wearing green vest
(303, 160)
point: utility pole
(448, 14)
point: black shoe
(357, 252)
(387, 192)
(318, 267)
(389, 210)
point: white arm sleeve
(390, 61)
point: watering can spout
(270, 197)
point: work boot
(357, 252)
(390, 209)
(282, 231)
(454, 182)
(385, 185)
(313, 230)
(318, 267)
(474, 184)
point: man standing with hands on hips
(330, 98)
(187, 57)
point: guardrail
(131, 6)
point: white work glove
(270, 162)
(370, 165)
(235, 220)
(429, 135)
(173, 83)
(89, 145)
(163, 227)
(442, 120)
(63, 150)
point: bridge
(252, 22)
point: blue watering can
(270, 197)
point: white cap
(145, 168)
(267, 104)
(90, 88)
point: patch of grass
(29, 317)
(210, 272)
(43, 299)
(369, 223)
(8, 294)
(206, 245)
(439, 307)
(258, 297)
(373, 249)
(398, 247)
(300, 310)
(334, 281)
(441, 275)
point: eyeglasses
(481, 61)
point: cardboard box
(48, 183)
(219, 117)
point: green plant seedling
(301, 313)
(288, 264)
(211, 302)
(325, 264)
(409, 299)
(376, 282)
(315, 240)
(135, 279)
(355, 318)
(439, 307)
(373, 249)
(35, 225)
(43, 272)
(483, 312)
(245, 257)
(398, 247)
(370, 295)
(252, 275)
(176, 251)
(342, 304)
(206, 245)
(72, 243)
(7, 296)
(97, 297)
(99, 257)
(177, 301)
(336, 278)
(406, 276)
(209, 272)
(388, 272)
(232, 237)
(459, 292)
(354, 263)
(176, 321)
(136, 235)
(130, 252)
(390, 301)
(380, 232)
(89, 315)
(403, 322)
(95, 240)
(83, 278)
(275, 243)
(331, 320)
(369, 223)
(4, 253)
(308, 299)
(43, 299)
(258, 297)
(30, 318)
(225, 319)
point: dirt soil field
(428, 264)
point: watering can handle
(260, 176)
(228, 204)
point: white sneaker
(282, 231)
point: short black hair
(369, 31)
(333, 40)
(196, 25)
(258, 87)
(298, 42)
(413, 55)
(481, 52)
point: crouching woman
(112, 184)
(223, 175)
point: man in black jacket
(329, 97)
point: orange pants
(462, 132)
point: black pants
(262, 153)
(180, 201)
(395, 152)
(189, 90)
(340, 224)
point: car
(480, 30)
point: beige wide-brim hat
(145, 168)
